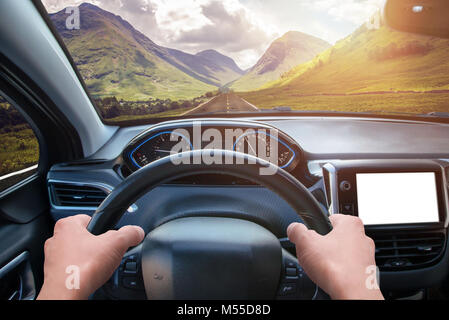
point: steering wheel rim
(180, 258)
(189, 163)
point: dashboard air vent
(76, 195)
(408, 251)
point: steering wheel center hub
(211, 258)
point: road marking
(228, 105)
(200, 106)
(250, 104)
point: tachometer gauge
(158, 146)
(262, 145)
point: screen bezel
(347, 170)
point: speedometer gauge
(158, 146)
(261, 144)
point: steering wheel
(210, 257)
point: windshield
(145, 59)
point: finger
(336, 219)
(300, 235)
(293, 229)
(82, 219)
(73, 223)
(128, 236)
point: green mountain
(225, 68)
(374, 60)
(371, 71)
(292, 49)
(208, 66)
(116, 59)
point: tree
(174, 105)
(186, 104)
(112, 112)
(22, 146)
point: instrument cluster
(259, 140)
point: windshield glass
(145, 59)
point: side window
(19, 148)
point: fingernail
(290, 227)
(142, 233)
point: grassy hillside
(420, 103)
(396, 68)
(115, 60)
(284, 53)
(19, 148)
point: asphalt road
(224, 103)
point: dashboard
(322, 153)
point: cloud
(232, 30)
(241, 29)
(140, 13)
(192, 25)
(354, 11)
(224, 25)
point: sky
(241, 29)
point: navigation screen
(397, 198)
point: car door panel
(17, 240)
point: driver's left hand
(72, 248)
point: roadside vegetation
(383, 103)
(114, 110)
(19, 148)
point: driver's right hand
(342, 263)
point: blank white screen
(394, 198)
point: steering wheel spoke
(294, 283)
(127, 280)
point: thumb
(128, 236)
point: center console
(402, 203)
